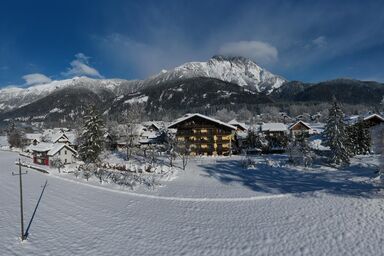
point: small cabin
(273, 129)
(299, 128)
(373, 120)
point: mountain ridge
(194, 86)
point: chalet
(154, 126)
(373, 120)
(149, 137)
(204, 135)
(44, 152)
(370, 120)
(61, 138)
(60, 135)
(298, 128)
(273, 129)
(32, 138)
(240, 126)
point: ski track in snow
(74, 219)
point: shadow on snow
(347, 181)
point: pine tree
(359, 141)
(335, 136)
(363, 136)
(299, 151)
(91, 137)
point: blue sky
(300, 40)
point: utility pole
(20, 174)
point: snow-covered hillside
(16, 97)
(238, 70)
(213, 208)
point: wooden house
(239, 126)
(298, 128)
(32, 138)
(273, 129)
(203, 135)
(373, 120)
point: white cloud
(80, 67)
(36, 78)
(320, 42)
(144, 59)
(258, 51)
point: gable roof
(59, 136)
(50, 148)
(234, 122)
(33, 136)
(372, 116)
(273, 127)
(41, 147)
(188, 116)
(57, 147)
(300, 122)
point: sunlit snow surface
(269, 210)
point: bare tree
(16, 137)
(244, 114)
(132, 117)
(184, 153)
(171, 146)
(101, 174)
(225, 115)
(57, 163)
(152, 153)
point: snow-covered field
(213, 208)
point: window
(65, 152)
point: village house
(273, 129)
(239, 126)
(373, 120)
(155, 126)
(137, 135)
(44, 152)
(32, 138)
(60, 135)
(300, 128)
(204, 135)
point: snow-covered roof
(71, 137)
(234, 122)
(188, 116)
(157, 124)
(41, 147)
(373, 115)
(53, 135)
(273, 127)
(57, 147)
(355, 118)
(59, 136)
(150, 135)
(50, 148)
(33, 136)
(242, 135)
(300, 122)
